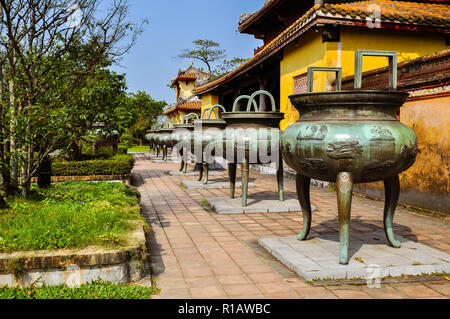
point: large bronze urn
(152, 138)
(206, 136)
(252, 137)
(149, 137)
(164, 137)
(350, 137)
(181, 139)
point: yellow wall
(186, 88)
(427, 183)
(177, 117)
(209, 100)
(312, 52)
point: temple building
(186, 101)
(326, 33)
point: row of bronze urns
(344, 137)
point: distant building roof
(191, 74)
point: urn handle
(167, 123)
(248, 97)
(392, 55)
(188, 116)
(202, 116)
(313, 69)
(252, 100)
(213, 109)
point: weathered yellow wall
(177, 117)
(312, 52)
(430, 119)
(209, 100)
(427, 183)
(186, 88)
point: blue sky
(174, 24)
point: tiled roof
(396, 12)
(267, 5)
(185, 77)
(186, 106)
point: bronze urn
(348, 137)
(252, 137)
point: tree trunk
(12, 141)
(2, 202)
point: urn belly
(354, 131)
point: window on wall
(301, 84)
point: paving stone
(171, 211)
(307, 257)
(189, 184)
(226, 205)
(194, 173)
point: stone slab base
(318, 257)
(226, 205)
(74, 276)
(211, 184)
(194, 173)
(159, 161)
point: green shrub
(122, 149)
(126, 139)
(119, 164)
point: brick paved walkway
(198, 254)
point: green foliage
(144, 113)
(215, 58)
(122, 149)
(94, 290)
(119, 164)
(69, 215)
(226, 66)
(206, 51)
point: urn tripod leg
(245, 174)
(185, 167)
(201, 171)
(303, 193)
(206, 171)
(164, 153)
(182, 159)
(280, 179)
(157, 151)
(344, 198)
(392, 191)
(232, 174)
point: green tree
(46, 62)
(215, 58)
(145, 113)
(227, 66)
(206, 51)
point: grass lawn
(95, 290)
(139, 149)
(70, 215)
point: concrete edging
(76, 267)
